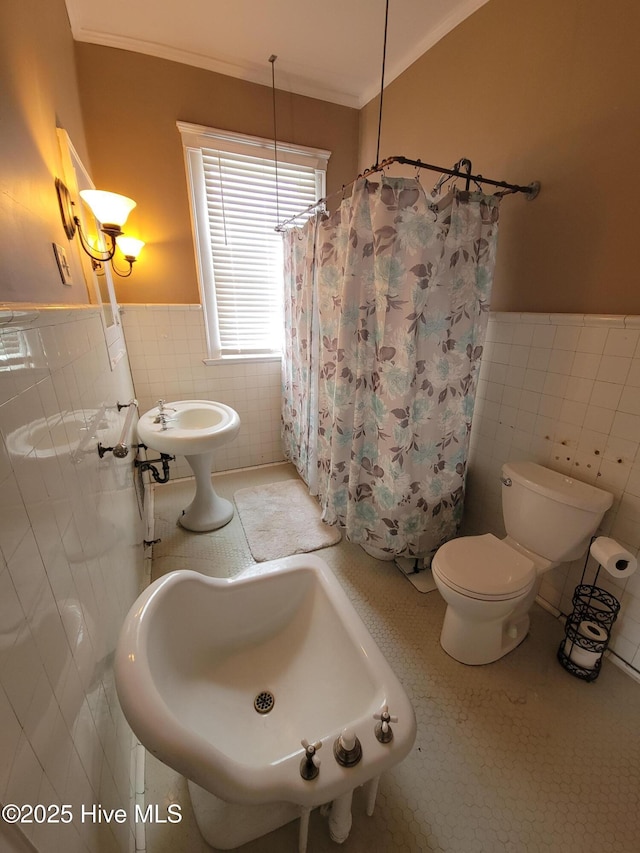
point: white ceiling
(330, 49)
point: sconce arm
(130, 261)
(103, 256)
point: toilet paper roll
(615, 559)
(586, 658)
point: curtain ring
(442, 180)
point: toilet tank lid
(558, 486)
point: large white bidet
(223, 678)
(194, 429)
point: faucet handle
(160, 405)
(310, 764)
(383, 730)
(311, 749)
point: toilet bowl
(483, 581)
(490, 584)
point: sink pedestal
(194, 429)
(207, 510)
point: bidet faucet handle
(310, 764)
(383, 729)
(385, 717)
(310, 750)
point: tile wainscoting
(563, 390)
(71, 565)
(166, 346)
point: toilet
(490, 584)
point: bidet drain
(264, 702)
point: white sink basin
(194, 429)
(191, 427)
(195, 652)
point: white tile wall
(71, 565)
(166, 346)
(563, 390)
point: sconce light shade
(110, 209)
(130, 246)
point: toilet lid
(483, 567)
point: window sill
(241, 359)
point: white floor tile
(514, 757)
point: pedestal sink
(194, 429)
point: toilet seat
(484, 567)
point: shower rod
(462, 169)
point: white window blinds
(235, 210)
(246, 251)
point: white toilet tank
(549, 513)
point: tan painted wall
(136, 148)
(546, 91)
(39, 90)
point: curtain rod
(462, 169)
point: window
(235, 208)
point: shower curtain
(387, 306)
(299, 380)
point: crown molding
(250, 72)
(288, 81)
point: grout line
(629, 670)
(141, 829)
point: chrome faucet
(162, 417)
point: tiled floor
(514, 757)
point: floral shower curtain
(399, 284)
(299, 382)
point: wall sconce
(130, 248)
(111, 210)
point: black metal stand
(588, 629)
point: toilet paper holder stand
(588, 628)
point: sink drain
(264, 702)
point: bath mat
(281, 519)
